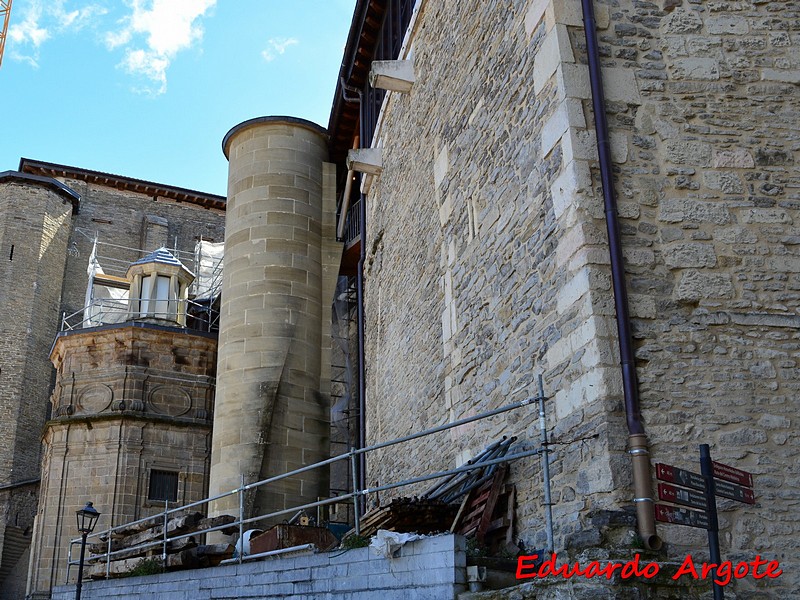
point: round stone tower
(272, 409)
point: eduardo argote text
(529, 567)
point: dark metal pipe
(638, 441)
(362, 380)
(627, 359)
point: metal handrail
(352, 455)
(109, 311)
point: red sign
(680, 476)
(670, 493)
(734, 492)
(733, 475)
(681, 516)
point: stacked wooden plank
(144, 540)
(477, 507)
(409, 515)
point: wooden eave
(155, 190)
(111, 280)
(343, 125)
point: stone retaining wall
(427, 569)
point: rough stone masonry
(488, 261)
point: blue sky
(148, 88)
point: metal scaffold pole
(548, 504)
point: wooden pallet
(487, 512)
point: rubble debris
(143, 540)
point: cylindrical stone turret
(272, 410)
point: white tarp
(208, 269)
(103, 303)
(387, 543)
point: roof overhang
(28, 178)
(149, 188)
(353, 74)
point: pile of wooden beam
(141, 541)
(477, 504)
(409, 514)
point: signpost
(733, 475)
(681, 516)
(699, 490)
(670, 493)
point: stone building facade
(281, 263)
(50, 216)
(34, 233)
(477, 243)
(131, 430)
(487, 261)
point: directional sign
(680, 476)
(695, 481)
(733, 475)
(681, 516)
(670, 493)
(734, 492)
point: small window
(163, 486)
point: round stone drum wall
(270, 416)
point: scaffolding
(107, 300)
(5, 14)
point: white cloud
(27, 29)
(149, 36)
(114, 39)
(167, 26)
(40, 21)
(276, 47)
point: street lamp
(87, 518)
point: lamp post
(87, 518)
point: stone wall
(128, 400)
(34, 225)
(488, 262)
(482, 269)
(34, 229)
(709, 200)
(426, 569)
(281, 260)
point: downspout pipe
(360, 476)
(640, 456)
(362, 371)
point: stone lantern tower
(159, 287)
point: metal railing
(351, 232)
(107, 535)
(106, 311)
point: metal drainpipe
(362, 382)
(361, 439)
(640, 457)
